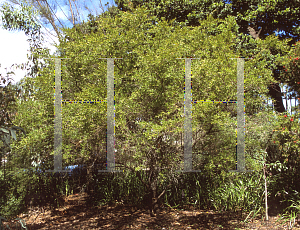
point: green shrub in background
(215, 189)
(12, 195)
(122, 187)
(220, 192)
(242, 191)
(21, 186)
(284, 165)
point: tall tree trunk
(276, 95)
(274, 88)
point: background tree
(290, 72)
(30, 16)
(7, 96)
(48, 12)
(23, 19)
(16, 189)
(7, 128)
(149, 93)
(266, 17)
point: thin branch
(85, 6)
(133, 170)
(163, 192)
(205, 134)
(17, 3)
(50, 19)
(72, 13)
(54, 13)
(62, 10)
(77, 11)
(101, 6)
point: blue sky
(14, 45)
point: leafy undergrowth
(76, 214)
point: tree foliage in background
(21, 19)
(149, 84)
(291, 71)
(47, 12)
(24, 19)
(259, 19)
(30, 16)
(7, 112)
(149, 95)
(7, 98)
(7, 130)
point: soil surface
(77, 215)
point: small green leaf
(13, 134)
(4, 130)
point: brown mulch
(77, 215)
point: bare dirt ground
(77, 215)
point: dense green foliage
(255, 19)
(149, 98)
